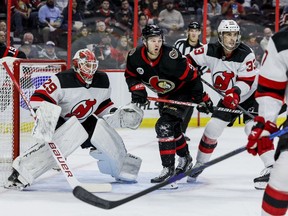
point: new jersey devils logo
(161, 85)
(223, 80)
(82, 109)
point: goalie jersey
(75, 97)
(239, 69)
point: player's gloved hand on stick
(206, 106)
(202, 70)
(232, 98)
(139, 94)
(258, 139)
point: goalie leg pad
(128, 116)
(38, 159)
(112, 154)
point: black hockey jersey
(11, 51)
(169, 75)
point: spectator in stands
(171, 21)
(211, 36)
(153, 11)
(3, 26)
(124, 25)
(28, 47)
(49, 51)
(2, 38)
(22, 16)
(197, 5)
(232, 9)
(50, 19)
(77, 17)
(126, 10)
(104, 13)
(284, 17)
(142, 22)
(267, 35)
(82, 40)
(214, 12)
(119, 53)
(255, 46)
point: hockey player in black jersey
(270, 94)
(8, 50)
(87, 117)
(233, 71)
(185, 46)
(167, 72)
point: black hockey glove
(139, 94)
(206, 106)
(202, 70)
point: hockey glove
(232, 98)
(202, 70)
(206, 106)
(139, 94)
(258, 139)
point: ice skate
(261, 181)
(166, 173)
(192, 178)
(13, 182)
(184, 163)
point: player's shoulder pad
(100, 80)
(133, 51)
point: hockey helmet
(228, 26)
(194, 25)
(151, 30)
(86, 64)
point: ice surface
(224, 189)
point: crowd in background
(39, 28)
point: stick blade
(97, 188)
(87, 197)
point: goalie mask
(85, 63)
(229, 26)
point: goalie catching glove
(128, 116)
(206, 106)
(258, 139)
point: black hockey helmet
(151, 30)
(194, 25)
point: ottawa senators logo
(223, 80)
(161, 86)
(82, 110)
(173, 54)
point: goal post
(16, 122)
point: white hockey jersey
(272, 87)
(237, 70)
(67, 90)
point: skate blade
(260, 185)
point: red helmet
(86, 64)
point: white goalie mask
(228, 26)
(86, 64)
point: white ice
(224, 189)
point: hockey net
(16, 122)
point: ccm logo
(60, 159)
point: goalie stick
(55, 151)
(94, 200)
(192, 104)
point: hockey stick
(192, 104)
(94, 200)
(221, 93)
(55, 151)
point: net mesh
(32, 74)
